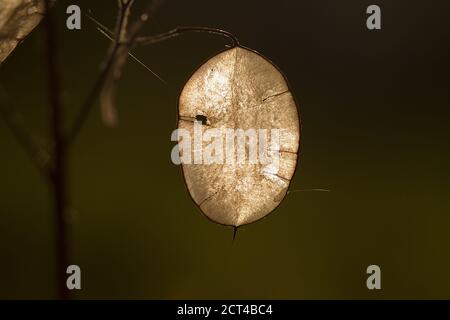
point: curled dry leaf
(239, 89)
(17, 19)
(119, 54)
(109, 89)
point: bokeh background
(375, 113)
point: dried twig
(106, 84)
(142, 41)
(127, 38)
(58, 174)
(36, 151)
(107, 66)
(110, 35)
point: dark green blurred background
(375, 113)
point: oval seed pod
(234, 97)
(17, 19)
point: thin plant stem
(105, 70)
(58, 176)
(142, 41)
(37, 152)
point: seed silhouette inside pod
(244, 129)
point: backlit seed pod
(17, 19)
(236, 106)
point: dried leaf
(17, 19)
(109, 90)
(239, 89)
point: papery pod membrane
(239, 89)
(17, 19)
